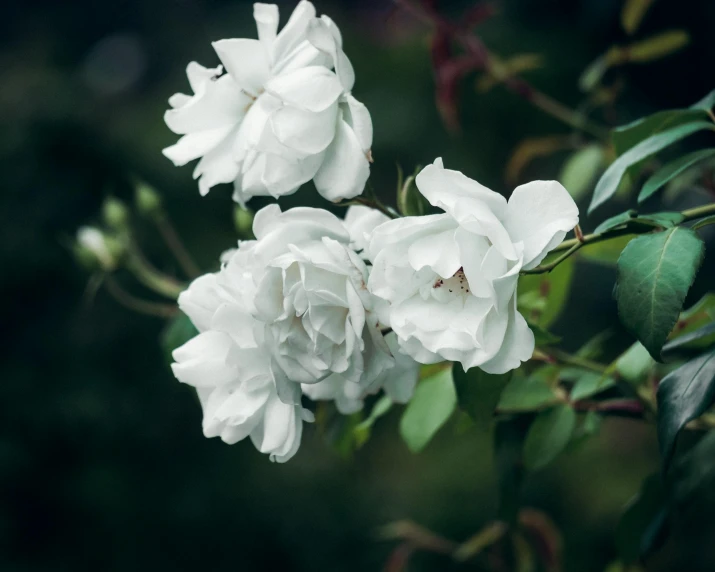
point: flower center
(445, 289)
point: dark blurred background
(102, 462)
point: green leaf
(177, 332)
(362, 431)
(699, 338)
(590, 383)
(691, 482)
(508, 445)
(632, 14)
(684, 395)
(662, 220)
(430, 408)
(704, 222)
(608, 184)
(706, 103)
(655, 272)
(580, 169)
(658, 46)
(628, 136)
(478, 393)
(529, 394)
(635, 363)
(668, 172)
(548, 436)
(543, 337)
(544, 295)
(619, 220)
(410, 201)
(606, 252)
(638, 517)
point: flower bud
(96, 251)
(243, 220)
(115, 214)
(147, 199)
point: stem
(574, 244)
(150, 276)
(476, 48)
(175, 245)
(566, 358)
(137, 304)
(372, 203)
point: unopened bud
(147, 199)
(115, 214)
(243, 220)
(95, 250)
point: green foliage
(684, 395)
(478, 393)
(606, 252)
(608, 184)
(430, 408)
(543, 296)
(634, 533)
(634, 364)
(530, 393)
(508, 446)
(617, 221)
(548, 436)
(691, 481)
(177, 332)
(628, 136)
(632, 14)
(410, 201)
(590, 383)
(580, 170)
(704, 222)
(671, 170)
(363, 429)
(655, 272)
(697, 339)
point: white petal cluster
(277, 113)
(450, 279)
(288, 314)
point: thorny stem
(175, 245)
(474, 46)
(574, 244)
(137, 304)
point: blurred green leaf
(606, 252)
(632, 14)
(640, 513)
(655, 272)
(672, 170)
(478, 393)
(529, 393)
(591, 76)
(684, 395)
(700, 338)
(430, 408)
(691, 482)
(548, 436)
(657, 46)
(410, 201)
(508, 445)
(635, 363)
(663, 219)
(545, 295)
(580, 170)
(706, 103)
(177, 332)
(363, 429)
(590, 383)
(543, 337)
(608, 184)
(629, 135)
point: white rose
(361, 221)
(398, 383)
(311, 293)
(279, 116)
(450, 279)
(231, 367)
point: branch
(135, 304)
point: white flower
(450, 279)
(398, 383)
(230, 365)
(281, 115)
(311, 293)
(361, 221)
